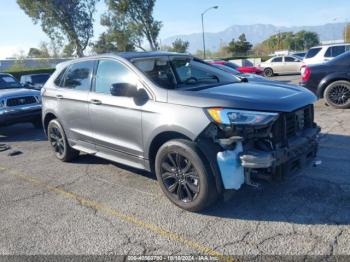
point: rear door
(72, 102)
(116, 120)
(291, 64)
(277, 64)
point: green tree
(239, 47)
(179, 46)
(136, 17)
(70, 19)
(288, 40)
(120, 36)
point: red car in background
(242, 69)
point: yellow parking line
(115, 213)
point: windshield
(7, 81)
(40, 79)
(182, 72)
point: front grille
(19, 101)
(290, 124)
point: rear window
(78, 76)
(40, 79)
(334, 51)
(313, 52)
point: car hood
(18, 92)
(249, 96)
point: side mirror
(243, 79)
(123, 89)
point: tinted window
(335, 51)
(40, 79)
(59, 80)
(313, 52)
(78, 76)
(111, 72)
(276, 60)
(289, 59)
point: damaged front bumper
(299, 151)
(274, 150)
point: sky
(18, 33)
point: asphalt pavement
(93, 206)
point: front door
(115, 120)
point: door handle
(95, 102)
(59, 96)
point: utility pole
(202, 15)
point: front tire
(184, 176)
(59, 142)
(268, 72)
(337, 94)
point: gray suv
(200, 129)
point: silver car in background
(281, 65)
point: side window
(59, 80)
(335, 51)
(289, 59)
(111, 72)
(78, 76)
(276, 60)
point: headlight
(240, 117)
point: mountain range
(255, 33)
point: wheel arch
(159, 140)
(47, 118)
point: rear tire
(268, 72)
(59, 142)
(184, 176)
(337, 94)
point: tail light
(305, 73)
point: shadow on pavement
(21, 132)
(317, 195)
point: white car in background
(322, 54)
(281, 65)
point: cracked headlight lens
(240, 117)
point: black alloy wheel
(59, 142)
(337, 94)
(180, 177)
(185, 175)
